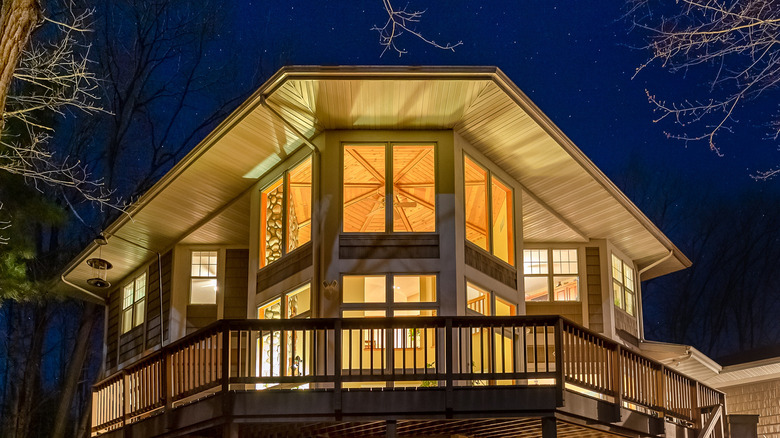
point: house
(384, 251)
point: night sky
(574, 60)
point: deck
(381, 376)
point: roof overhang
(563, 189)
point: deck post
(391, 429)
(617, 380)
(662, 389)
(449, 360)
(337, 367)
(549, 427)
(125, 398)
(225, 365)
(166, 374)
(560, 384)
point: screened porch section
(427, 354)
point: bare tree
(400, 21)
(45, 73)
(732, 44)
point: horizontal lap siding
(153, 300)
(200, 315)
(571, 310)
(236, 283)
(487, 264)
(285, 267)
(131, 344)
(593, 278)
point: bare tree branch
(52, 77)
(734, 44)
(400, 21)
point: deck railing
(400, 352)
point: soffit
(249, 142)
(492, 114)
(479, 103)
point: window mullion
(489, 202)
(285, 213)
(389, 189)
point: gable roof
(563, 189)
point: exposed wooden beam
(417, 199)
(359, 158)
(402, 215)
(400, 174)
(359, 198)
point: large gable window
(550, 274)
(406, 200)
(133, 303)
(489, 219)
(623, 285)
(285, 217)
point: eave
(478, 103)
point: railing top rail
(384, 323)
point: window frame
(388, 189)
(492, 299)
(490, 176)
(215, 277)
(389, 307)
(551, 274)
(282, 297)
(134, 304)
(622, 293)
(283, 181)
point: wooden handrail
(439, 351)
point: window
(295, 304)
(412, 188)
(365, 296)
(479, 300)
(291, 350)
(623, 285)
(203, 277)
(545, 281)
(133, 303)
(489, 212)
(285, 216)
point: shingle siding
(762, 398)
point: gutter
(655, 263)
(99, 299)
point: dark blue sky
(573, 59)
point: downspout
(639, 275)
(159, 285)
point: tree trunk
(21, 407)
(75, 365)
(18, 18)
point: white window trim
(134, 304)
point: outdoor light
(99, 266)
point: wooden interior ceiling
(413, 188)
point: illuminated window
(365, 296)
(203, 277)
(623, 285)
(133, 303)
(285, 215)
(480, 301)
(288, 351)
(545, 281)
(496, 235)
(412, 185)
